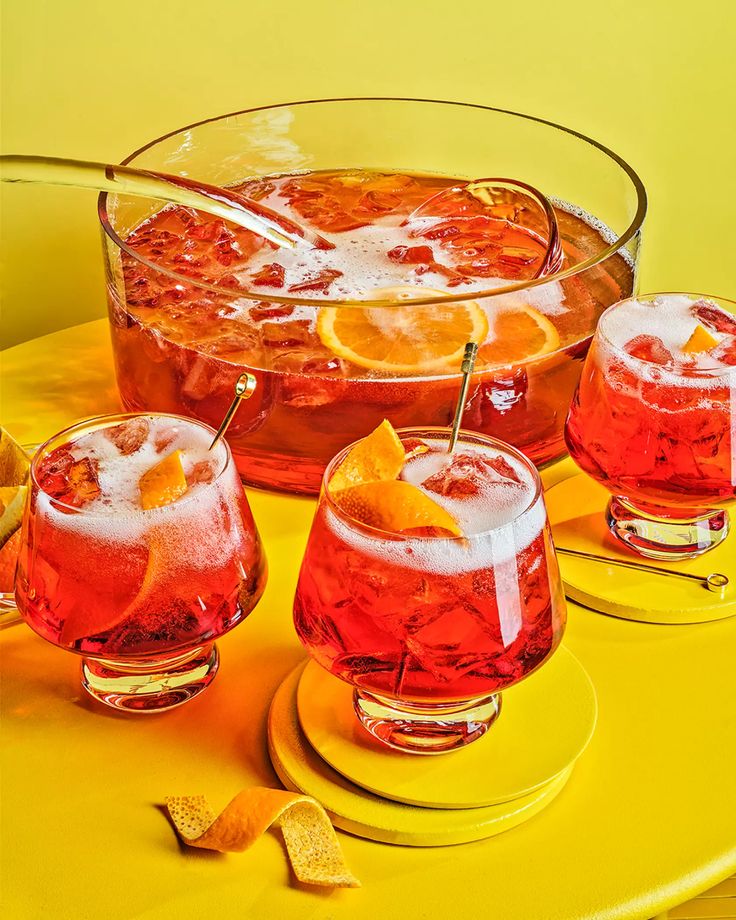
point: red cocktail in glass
(427, 627)
(653, 421)
(138, 550)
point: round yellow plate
(545, 724)
(359, 812)
(577, 509)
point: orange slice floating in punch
(407, 339)
(519, 334)
(397, 507)
(366, 487)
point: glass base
(150, 685)
(428, 728)
(664, 537)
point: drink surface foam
(193, 531)
(360, 255)
(672, 319)
(498, 502)
(119, 474)
(498, 522)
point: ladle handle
(126, 180)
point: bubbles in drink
(653, 418)
(142, 540)
(674, 332)
(101, 470)
(481, 488)
(431, 617)
(490, 493)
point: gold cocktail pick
(716, 581)
(245, 387)
(471, 353)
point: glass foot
(425, 728)
(656, 536)
(150, 685)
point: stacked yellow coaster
(577, 513)
(318, 747)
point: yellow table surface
(647, 820)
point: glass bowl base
(658, 537)
(660, 589)
(149, 686)
(426, 729)
(371, 815)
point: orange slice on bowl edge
(12, 502)
(396, 507)
(379, 456)
(14, 461)
(518, 334)
(8, 561)
(402, 340)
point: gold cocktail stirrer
(715, 582)
(245, 387)
(471, 353)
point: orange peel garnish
(311, 842)
(163, 483)
(700, 340)
(377, 458)
(395, 506)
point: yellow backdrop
(653, 80)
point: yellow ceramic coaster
(359, 812)
(577, 509)
(544, 725)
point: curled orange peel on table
(311, 842)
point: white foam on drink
(366, 269)
(361, 256)
(192, 531)
(603, 230)
(671, 319)
(119, 474)
(498, 502)
(498, 523)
